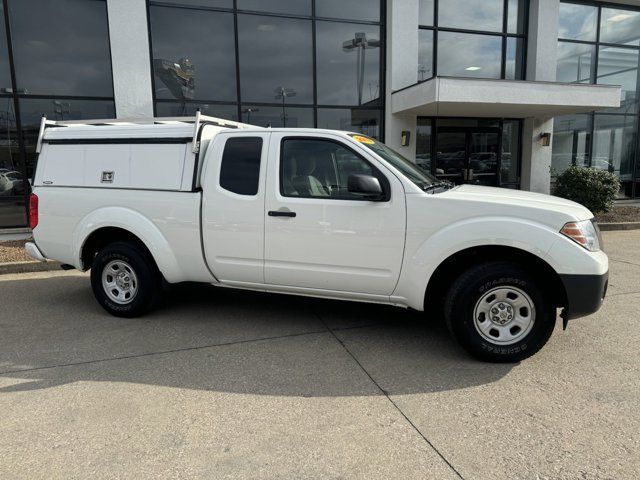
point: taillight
(33, 211)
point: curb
(28, 267)
(610, 227)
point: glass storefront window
(362, 121)
(61, 47)
(427, 9)
(424, 134)
(289, 7)
(619, 66)
(178, 109)
(338, 80)
(5, 68)
(290, 117)
(514, 65)
(275, 53)
(571, 142)
(192, 54)
(365, 10)
(510, 159)
(471, 14)
(610, 135)
(199, 3)
(575, 62)
(425, 54)
(578, 22)
(516, 16)
(469, 55)
(474, 38)
(275, 61)
(620, 26)
(614, 144)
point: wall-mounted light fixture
(406, 138)
(545, 139)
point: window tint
(320, 169)
(240, 169)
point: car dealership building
(492, 92)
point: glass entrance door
(468, 155)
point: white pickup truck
(308, 212)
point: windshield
(409, 169)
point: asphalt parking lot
(229, 384)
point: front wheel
(499, 313)
(125, 280)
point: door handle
(281, 213)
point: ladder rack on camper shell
(197, 121)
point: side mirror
(366, 186)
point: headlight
(584, 233)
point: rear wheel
(499, 312)
(125, 279)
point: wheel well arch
(451, 268)
(102, 237)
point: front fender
(135, 223)
(423, 256)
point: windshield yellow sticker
(365, 140)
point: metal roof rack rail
(196, 120)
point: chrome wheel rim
(504, 315)
(120, 282)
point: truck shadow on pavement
(205, 338)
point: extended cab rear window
(240, 168)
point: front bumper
(34, 252)
(585, 294)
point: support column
(542, 50)
(130, 58)
(402, 69)
(536, 159)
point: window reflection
(367, 10)
(426, 12)
(289, 7)
(578, 22)
(575, 62)
(620, 26)
(469, 55)
(191, 54)
(571, 140)
(619, 66)
(614, 144)
(275, 53)
(510, 158)
(425, 55)
(348, 57)
(516, 11)
(61, 47)
(471, 14)
(5, 71)
(199, 3)
(423, 143)
(268, 116)
(178, 109)
(514, 68)
(362, 121)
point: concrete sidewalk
(229, 384)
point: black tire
(148, 284)
(478, 283)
